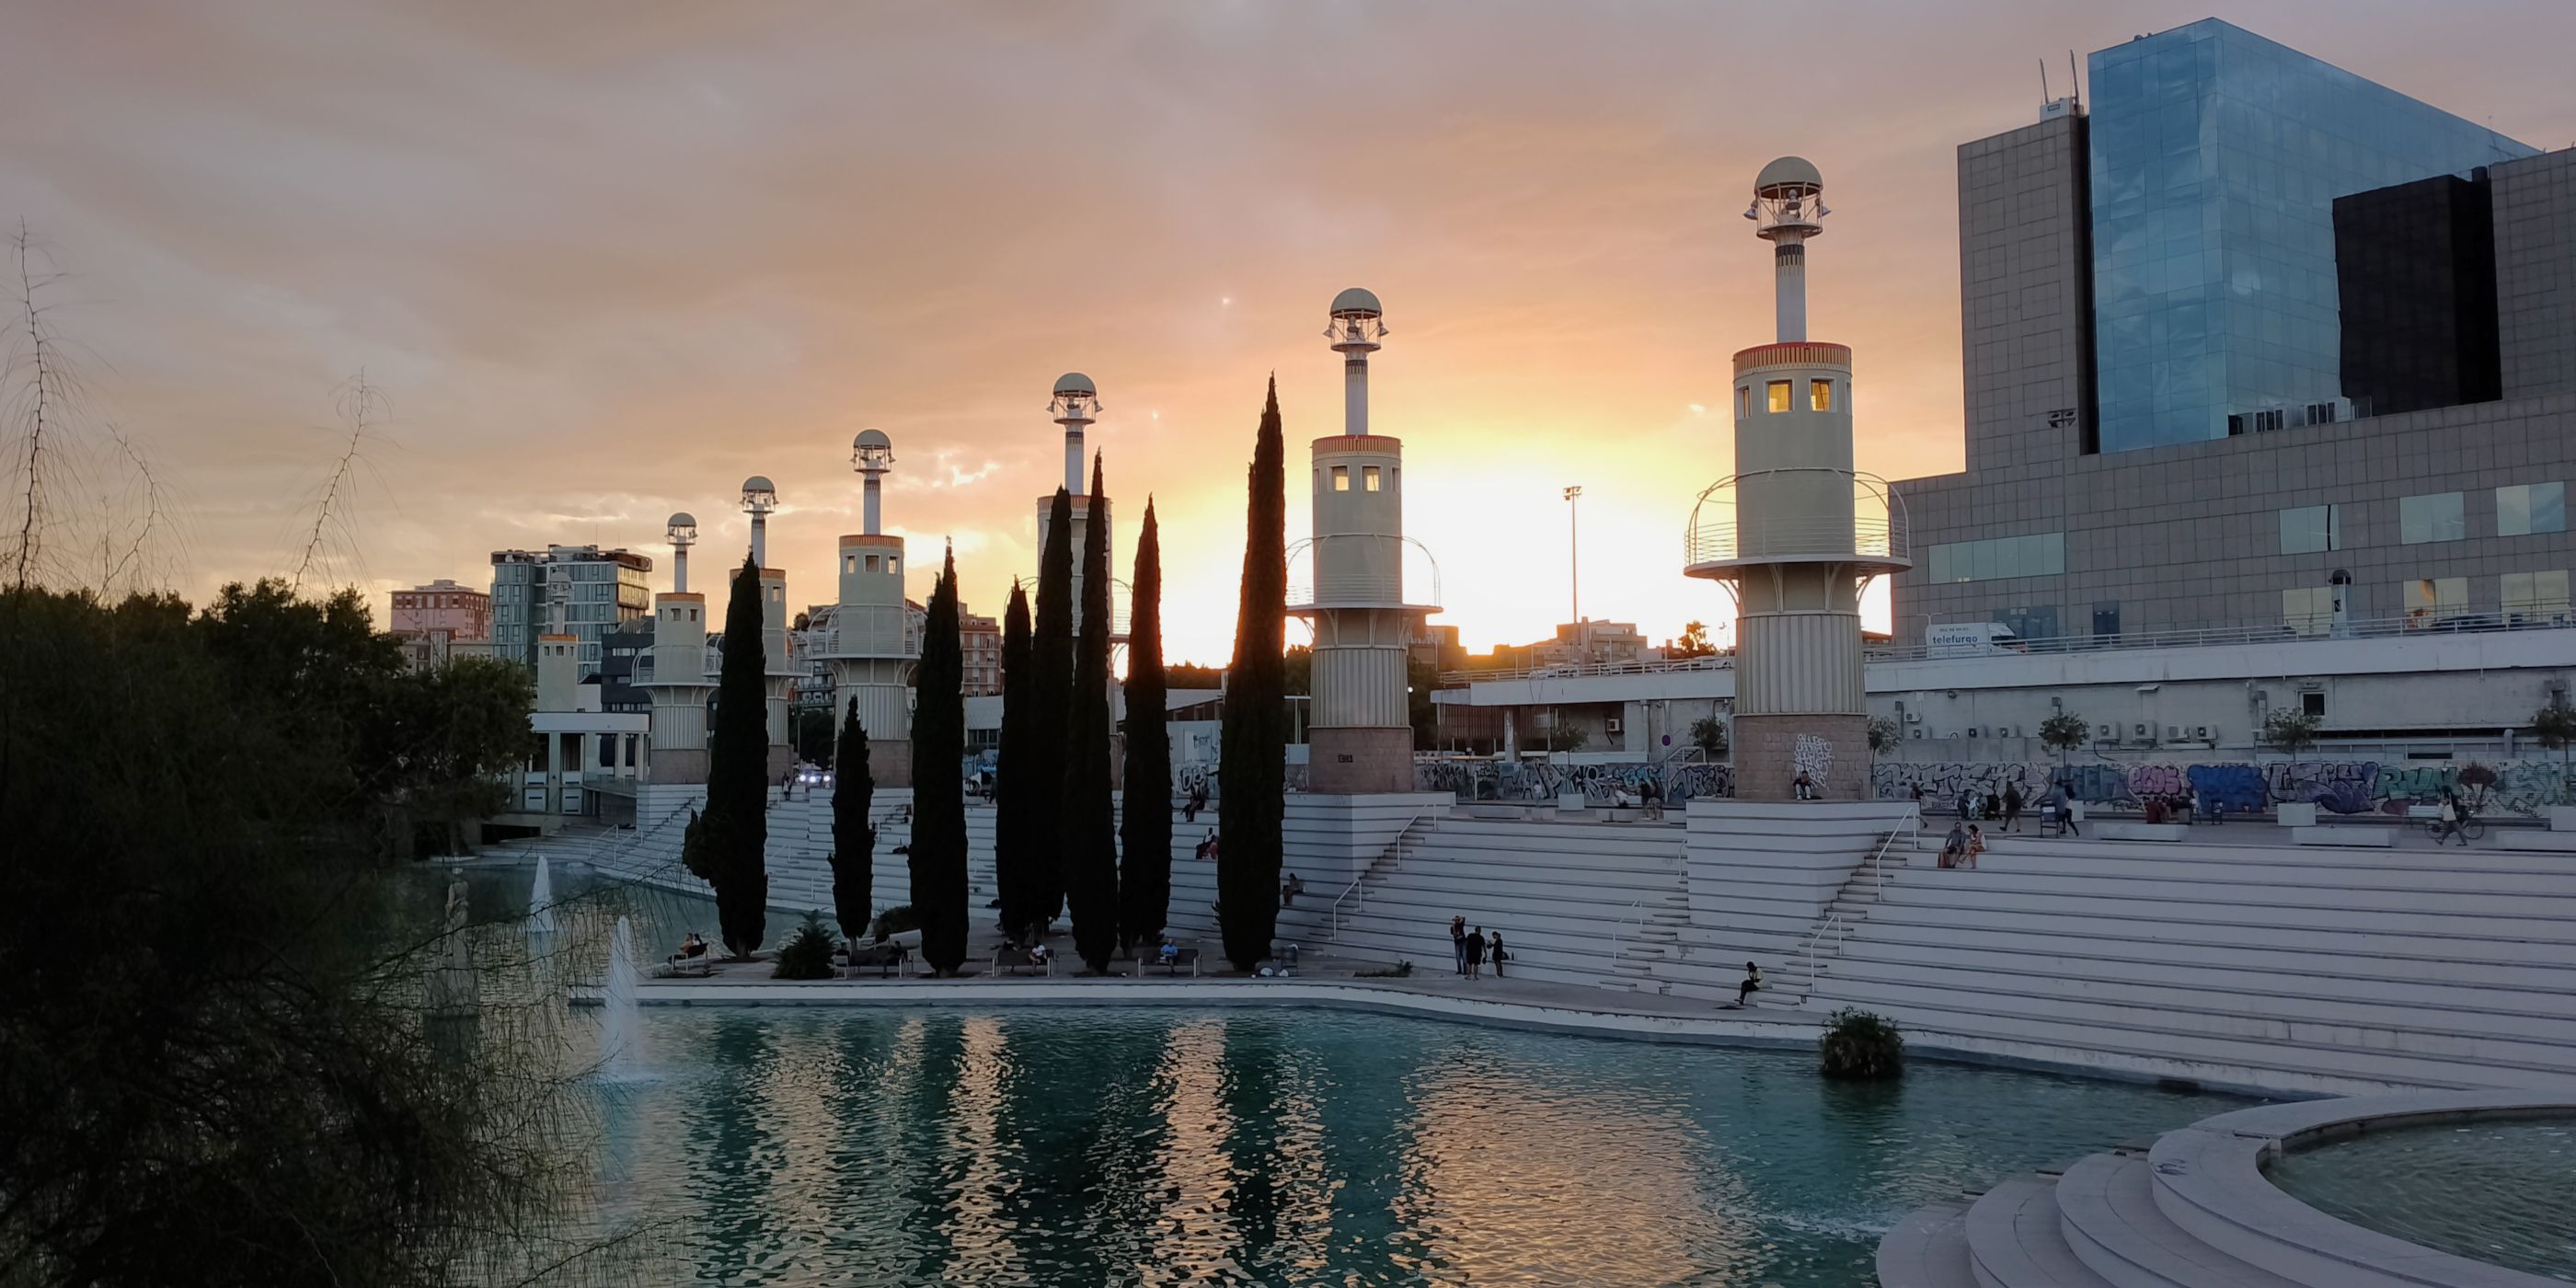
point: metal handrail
(1863, 537)
(1619, 932)
(1876, 865)
(1357, 891)
(2181, 637)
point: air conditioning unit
(2173, 733)
(1918, 733)
(2141, 732)
(2202, 733)
(2110, 731)
(1610, 725)
(1913, 717)
(1973, 733)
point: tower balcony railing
(1721, 535)
(1794, 537)
(1420, 573)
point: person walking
(1476, 953)
(1458, 943)
(1752, 984)
(1495, 954)
(2012, 808)
(2451, 820)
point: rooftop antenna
(2074, 83)
(2044, 97)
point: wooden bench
(887, 959)
(704, 964)
(1186, 957)
(1019, 961)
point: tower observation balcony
(1796, 515)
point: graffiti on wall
(2521, 787)
(1538, 780)
(1813, 757)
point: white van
(1970, 639)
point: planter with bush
(1858, 1045)
(807, 954)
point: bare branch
(361, 406)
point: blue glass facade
(2216, 159)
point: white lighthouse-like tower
(759, 499)
(680, 685)
(1362, 731)
(1796, 533)
(1076, 405)
(869, 658)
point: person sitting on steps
(1806, 786)
(1752, 984)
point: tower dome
(1357, 302)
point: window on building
(1820, 395)
(2434, 516)
(1779, 391)
(2525, 509)
(2534, 598)
(2041, 554)
(2106, 619)
(1743, 401)
(2308, 610)
(2308, 529)
(1369, 478)
(2313, 703)
(2434, 599)
(871, 563)
(1341, 478)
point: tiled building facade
(2450, 513)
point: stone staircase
(1794, 982)
(1645, 944)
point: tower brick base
(1768, 750)
(1359, 762)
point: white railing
(1636, 914)
(1390, 859)
(1875, 869)
(2181, 637)
(1729, 540)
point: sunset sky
(604, 260)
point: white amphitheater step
(2110, 1219)
(2014, 1241)
(1928, 1249)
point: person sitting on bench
(693, 946)
(1040, 955)
(1169, 953)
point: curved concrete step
(2107, 1206)
(2014, 1242)
(1928, 1249)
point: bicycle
(2469, 827)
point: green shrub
(1857, 1045)
(896, 920)
(807, 953)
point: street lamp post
(1573, 556)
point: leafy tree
(814, 736)
(807, 954)
(1708, 733)
(1567, 737)
(1859, 1045)
(1693, 643)
(1252, 761)
(2554, 726)
(734, 830)
(2064, 732)
(2291, 732)
(1190, 675)
(1090, 838)
(854, 839)
(938, 788)
(461, 726)
(1297, 671)
(1145, 823)
(1883, 736)
(1015, 847)
(218, 1071)
(1051, 706)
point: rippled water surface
(2497, 1192)
(1090, 1146)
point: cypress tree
(735, 827)
(854, 840)
(1012, 847)
(1090, 844)
(938, 782)
(1050, 706)
(1252, 771)
(1145, 824)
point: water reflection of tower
(870, 659)
(1362, 732)
(1796, 532)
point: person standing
(1494, 952)
(2012, 808)
(1967, 803)
(1476, 953)
(1458, 943)
(2451, 820)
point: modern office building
(601, 590)
(2254, 344)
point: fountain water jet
(541, 901)
(617, 1007)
